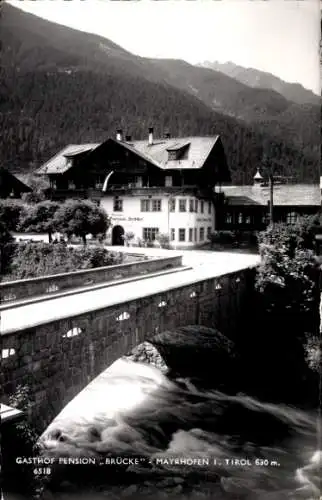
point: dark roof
(284, 195)
(8, 179)
(198, 149)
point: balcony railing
(146, 190)
(132, 189)
(60, 194)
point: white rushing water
(190, 443)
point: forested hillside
(61, 86)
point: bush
(129, 236)
(30, 260)
(164, 240)
(221, 237)
(20, 439)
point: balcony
(132, 189)
(63, 194)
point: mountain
(63, 86)
(262, 80)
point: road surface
(205, 265)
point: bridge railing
(22, 289)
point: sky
(281, 37)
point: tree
(79, 218)
(6, 247)
(39, 218)
(288, 308)
(300, 235)
(10, 213)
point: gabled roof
(283, 195)
(59, 164)
(198, 151)
(130, 147)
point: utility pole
(271, 199)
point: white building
(151, 190)
(184, 218)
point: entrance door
(118, 235)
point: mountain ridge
(70, 86)
(252, 77)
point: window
(182, 205)
(240, 218)
(247, 219)
(156, 205)
(182, 234)
(191, 206)
(208, 232)
(98, 182)
(264, 218)
(118, 205)
(196, 206)
(168, 180)
(150, 233)
(202, 233)
(172, 205)
(229, 218)
(173, 234)
(190, 234)
(196, 235)
(145, 205)
(201, 207)
(138, 181)
(209, 207)
(172, 155)
(291, 218)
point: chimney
(119, 134)
(128, 138)
(150, 136)
(167, 135)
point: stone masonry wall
(57, 366)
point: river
(174, 439)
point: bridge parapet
(46, 285)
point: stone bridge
(56, 347)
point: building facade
(152, 189)
(247, 208)
(186, 217)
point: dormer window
(177, 150)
